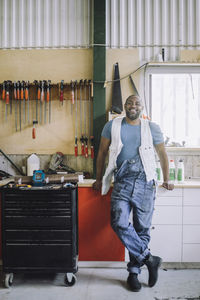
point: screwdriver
(49, 98)
(15, 98)
(27, 96)
(19, 100)
(62, 91)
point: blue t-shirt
(131, 138)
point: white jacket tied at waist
(146, 151)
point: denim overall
(131, 192)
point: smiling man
(131, 141)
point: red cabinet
(97, 240)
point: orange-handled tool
(24, 102)
(4, 90)
(42, 91)
(34, 129)
(76, 147)
(7, 96)
(48, 91)
(49, 98)
(62, 91)
(82, 140)
(92, 146)
(22, 91)
(39, 90)
(86, 147)
(18, 98)
(27, 91)
(27, 96)
(18, 90)
(8, 86)
(15, 98)
(72, 91)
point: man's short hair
(134, 96)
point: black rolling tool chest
(39, 232)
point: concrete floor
(104, 284)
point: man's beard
(133, 116)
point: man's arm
(101, 157)
(160, 149)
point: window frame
(165, 68)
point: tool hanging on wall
(49, 98)
(45, 101)
(19, 103)
(10, 96)
(81, 121)
(23, 99)
(15, 99)
(4, 90)
(117, 106)
(34, 129)
(76, 121)
(85, 118)
(36, 99)
(27, 98)
(23, 94)
(42, 98)
(90, 96)
(8, 87)
(62, 91)
(72, 96)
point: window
(174, 102)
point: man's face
(133, 108)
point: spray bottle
(180, 171)
(172, 176)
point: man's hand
(168, 186)
(97, 185)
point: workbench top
(187, 184)
(195, 183)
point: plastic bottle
(159, 171)
(180, 171)
(172, 175)
(33, 163)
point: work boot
(133, 282)
(153, 263)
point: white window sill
(182, 149)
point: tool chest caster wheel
(8, 280)
(70, 279)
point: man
(131, 141)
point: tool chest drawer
(37, 221)
(39, 230)
(38, 256)
(34, 199)
(22, 235)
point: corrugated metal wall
(45, 23)
(152, 25)
(149, 25)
